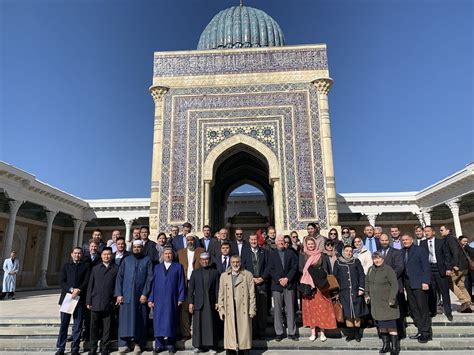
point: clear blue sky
(76, 112)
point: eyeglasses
(345, 232)
(330, 245)
(238, 233)
(287, 242)
(332, 233)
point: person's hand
(75, 293)
(448, 272)
(151, 304)
(119, 300)
(222, 317)
(392, 303)
(360, 293)
(367, 299)
(425, 287)
(191, 308)
(251, 315)
(216, 306)
(283, 281)
(455, 268)
(143, 299)
(180, 303)
(89, 306)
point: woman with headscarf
(318, 310)
(351, 278)
(381, 290)
(362, 253)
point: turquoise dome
(241, 27)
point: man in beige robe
(237, 307)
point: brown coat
(245, 309)
(183, 260)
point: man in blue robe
(166, 296)
(132, 289)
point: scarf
(313, 257)
(345, 260)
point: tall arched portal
(241, 164)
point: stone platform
(30, 324)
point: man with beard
(396, 242)
(189, 258)
(149, 246)
(237, 245)
(132, 289)
(166, 297)
(370, 242)
(203, 289)
(236, 304)
(215, 244)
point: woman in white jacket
(361, 253)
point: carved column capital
(50, 215)
(371, 217)
(14, 206)
(453, 205)
(323, 85)
(157, 92)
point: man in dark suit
(149, 246)
(207, 238)
(73, 280)
(417, 283)
(370, 242)
(215, 244)
(179, 242)
(100, 301)
(239, 244)
(222, 262)
(460, 268)
(93, 256)
(255, 260)
(394, 259)
(121, 253)
(283, 268)
(97, 237)
(440, 261)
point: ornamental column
(371, 217)
(44, 261)
(426, 216)
(81, 233)
(14, 207)
(207, 202)
(77, 226)
(128, 227)
(277, 205)
(323, 85)
(419, 215)
(157, 92)
(454, 207)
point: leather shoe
(158, 350)
(416, 336)
(423, 339)
(75, 353)
(293, 337)
(59, 352)
(279, 338)
(450, 317)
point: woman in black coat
(351, 278)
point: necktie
(224, 263)
(384, 253)
(370, 246)
(406, 256)
(431, 252)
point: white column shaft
(47, 243)
(14, 207)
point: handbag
(306, 290)
(469, 260)
(332, 282)
(338, 312)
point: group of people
(214, 288)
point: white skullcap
(137, 242)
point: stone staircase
(38, 334)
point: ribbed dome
(241, 27)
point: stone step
(371, 344)
(51, 331)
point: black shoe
(59, 352)
(416, 336)
(450, 317)
(395, 345)
(293, 337)
(75, 353)
(105, 352)
(386, 344)
(93, 352)
(69, 338)
(171, 351)
(423, 339)
(279, 338)
(159, 350)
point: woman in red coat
(318, 311)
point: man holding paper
(73, 280)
